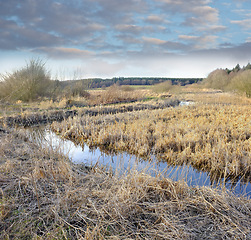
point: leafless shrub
(26, 84)
(242, 83)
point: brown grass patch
(215, 138)
(212, 96)
(44, 196)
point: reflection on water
(123, 162)
(186, 103)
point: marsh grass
(31, 117)
(116, 94)
(198, 93)
(110, 96)
(214, 138)
(166, 87)
(45, 196)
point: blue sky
(110, 38)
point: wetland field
(45, 194)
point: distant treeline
(33, 82)
(102, 83)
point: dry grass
(215, 138)
(111, 95)
(116, 94)
(44, 196)
(211, 96)
(42, 116)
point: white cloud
(188, 37)
(208, 13)
(198, 14)
(208, 41)
(153, 40)
(246, 23)
(157, 19)
(200, 42)
(212, 28)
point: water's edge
(123, 162)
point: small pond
(123, 162)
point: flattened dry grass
(44, 196)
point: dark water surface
(123, 162)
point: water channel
(123, 162)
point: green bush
(27, 84)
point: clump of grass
(163, 87)
(203, 95)
(114, 94)
(166, 87)
(44, 196)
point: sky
(125, 38)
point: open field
(203, 95)
(45, 196)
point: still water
(123, 162)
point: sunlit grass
(212, 137)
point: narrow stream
(123, 162)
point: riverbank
(45, 196)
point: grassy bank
(45, 196)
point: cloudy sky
(108, 38)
